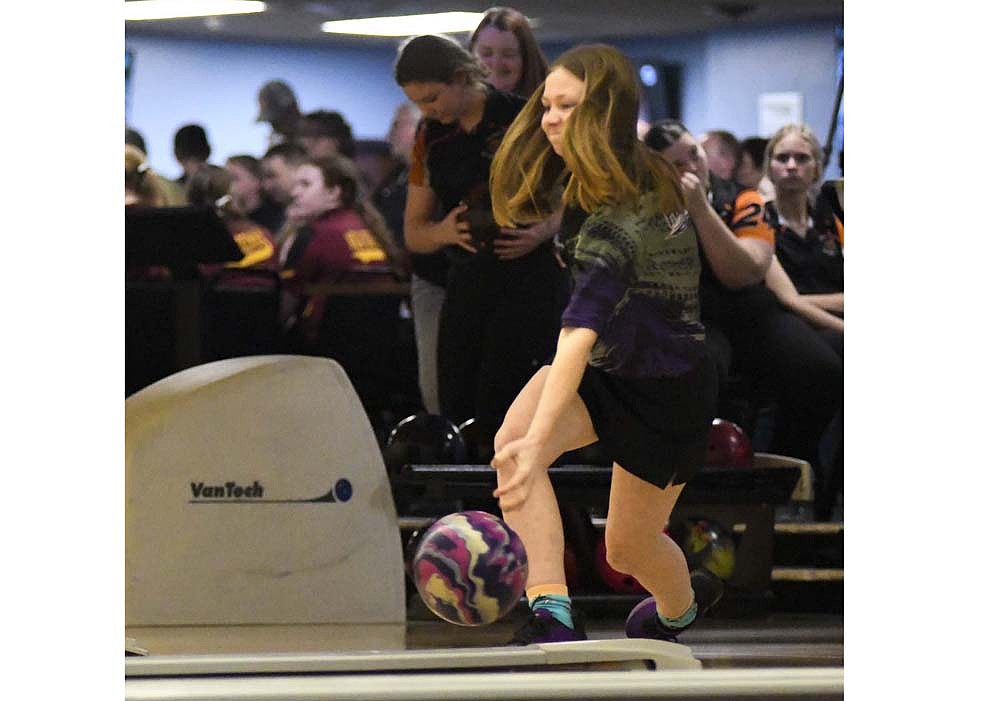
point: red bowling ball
(728, 446)
(616, 581)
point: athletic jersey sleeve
(602, 270)
(748, 217)
(419, 173)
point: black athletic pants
(802, 370)
(499, 323)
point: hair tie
(143, 167)
(223, 201)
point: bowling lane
(778, 640)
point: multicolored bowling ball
(423, 439)
(470, 568)
(728, 446)
(709, 545)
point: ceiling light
(176, 9)
(406, 25)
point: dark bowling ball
(423, 439)
(728, 446)
(410, 548)
(478, 447)
(710, 546)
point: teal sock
(559, 606)
(681, 621)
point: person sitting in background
(277, 170)
(722, 149)
(210, 186)
(280, 109)
(385, 182)
(403, 131)
(323, 133)
(173, 193)
(247, 190)
(505, 44)
(142, 187)
(808, 248)
(750, 172)
(191, 149)
(746, 326)
(337, 233)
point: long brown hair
(339, 171)
(534, 67)
(209, 186)
(607, 163)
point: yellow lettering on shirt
(256, 248)
(364, 247)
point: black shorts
(655, 428)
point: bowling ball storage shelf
(743, 498)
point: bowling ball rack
(732, 496)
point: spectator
(373, 158)
(403, 131)
(751, 167)
(247, 190)
(324, 133)
(337, 232)
(191, 149)
(500, 315)
(505, 44)
(142, 187)
(280, 109)
(429, 270)
(750, 172)
(210, 186)
(385, 182)
(807, 242)
(134, 138)
(722, 149)
(277, 170)
(173, 194)
(746, 327)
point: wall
(215, 83)
(177, 81)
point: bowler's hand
(517, 465)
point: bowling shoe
(643, 622)
(543, 627)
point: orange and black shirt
(742, 210)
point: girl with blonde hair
(630, 368)
(141, 184)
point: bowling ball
(423, 439)
(479, 448)
(616, 581)
(470, 568)
(728, 445)
(710, 546)
(410, 548)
